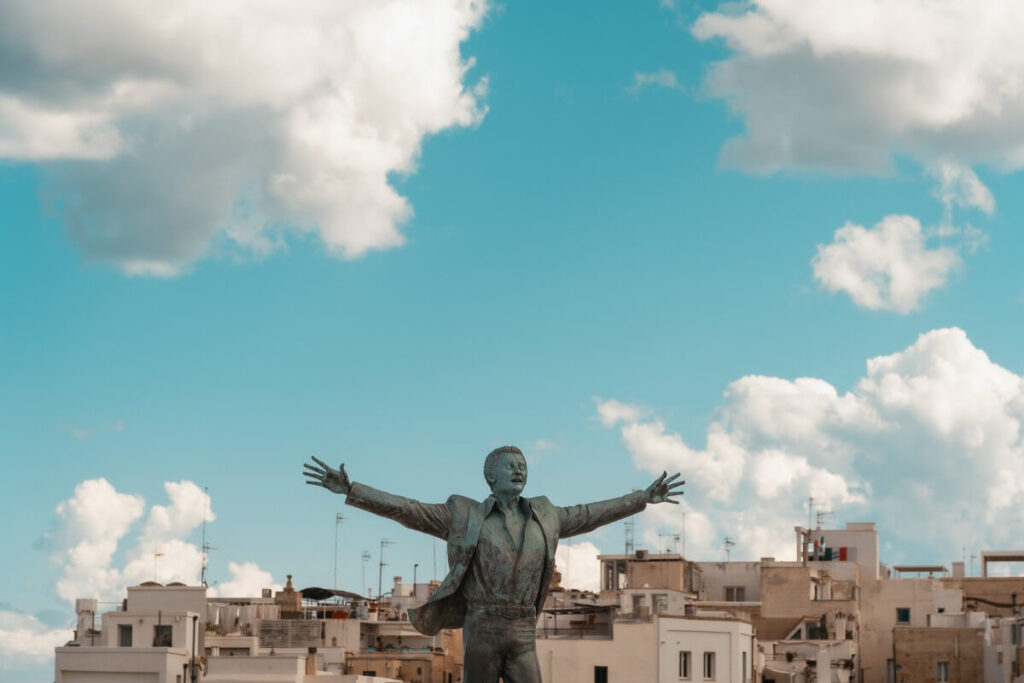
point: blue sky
(583, 265)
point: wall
(630, 656)
(666, 574)
(861, 539)
(729, 640)
(118, 665)
(918, 651)
(994, 589)
(717, 575)
(786, 591)
(879, 600)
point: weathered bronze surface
(501, 555)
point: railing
(575, 630)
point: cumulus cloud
(26, 641)
(247, 580)
(91, 525)
(888, 267)
(101, 556)
(845, 86)
(577, 561)
(181, 127)
(928, 443)
(612, 412)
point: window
(942, 675)
(902, 615)
(124, 635)
(162, 635)
(709, 666)
(660, 603)
(684, 665)
(600, 674)
(735, 594)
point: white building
(157, 638)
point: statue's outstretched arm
(580, 519)
(430, 518)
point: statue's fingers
(672, 478)
(677, 484)
(660, 479)
(314, 473)
(675, 493)
(312, 467)
(320, 462)
(674, 502)
(315, 483)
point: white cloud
(887, 267)
(928, 444)
(95, 525)
(845, 86)
(663, 78)
(247, 580)
(26, 641)
(613, 412)
(577, 561)
(175, 129)
(91, 525)
(960, 186)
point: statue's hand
(322, 474)
(662, 488)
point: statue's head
(505, 470)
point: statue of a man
(501, 554)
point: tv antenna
(727, 544)
(337, 523)
(206, 546)
(156, 554)
(675, 542)
(366, 558)
(380, 570)
(821, 515)
(630, 524)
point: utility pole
(380, 569)
(337, 523)
(414, 568)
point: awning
(318, 594)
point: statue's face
(509, 474)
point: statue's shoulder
(455, 500)
(541, 503)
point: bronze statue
(501, 554)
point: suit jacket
(458, 522)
